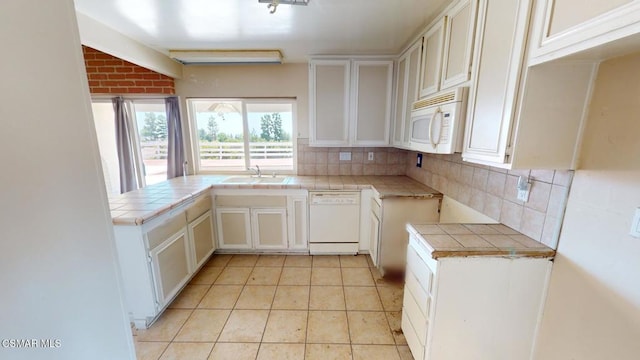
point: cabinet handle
(433, 119)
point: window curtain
(175, 148)
(126, 156)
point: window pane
(220, 134)
(103, 118)
(270, 129)
(151, 119)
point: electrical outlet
(345, 156)
(635, 225)
(370, 157)
(524, 187)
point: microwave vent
(441, 98)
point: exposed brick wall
(111, 75)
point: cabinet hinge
(149, 259)
(157, 305)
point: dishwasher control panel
(334, 198)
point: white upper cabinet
(371, 100)
(432, 44)
(407, 72)
(458, 46)
(447, 49)
(565, 27)
(329, 92)
(350, 102)
(518, 116)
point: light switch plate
(635, 225)
(370, 157)
(345, 156)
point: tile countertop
(462, 240)
(139, 206)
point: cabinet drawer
(423, 274)
(158, 235)
(251, 201)
(200, 207)
(417, 349)
(416, 318)
(419, 294)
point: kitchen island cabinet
(464, 279)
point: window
(236, 134)
(149, 121)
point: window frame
(129, 103)
(194, 142)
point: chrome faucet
(257, 170)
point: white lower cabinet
(269, 228)
(170, 263)
(159, 257)
(263, 220)
(483, 307)
(234, 228)
(201, 234)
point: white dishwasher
(334, 222)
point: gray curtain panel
(175, 148)
(126, 155)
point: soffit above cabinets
(323, 27)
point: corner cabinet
(159, 257)
(519, 116)
(565, 27)
(350, 101)
(263, 220)
(467, 308)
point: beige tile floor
(281, 307)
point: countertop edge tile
(438, 249)
(177, 192)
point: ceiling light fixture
(220, 57)
(273, 4)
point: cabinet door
(413, 82)
(432, 59)
(329, 82)
(400, 101)
(234, 229)
(298, 222)
(565, 27)
(201, 234)
(371, 102)
(374, 238)
(171, 266)
(499, 51)
(458, 47)
(269, 228)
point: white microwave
(437, 122)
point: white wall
(101, 37)
(593, 306)
(58, 274)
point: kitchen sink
(254, 180)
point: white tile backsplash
(492, 191)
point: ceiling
(324, 27)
